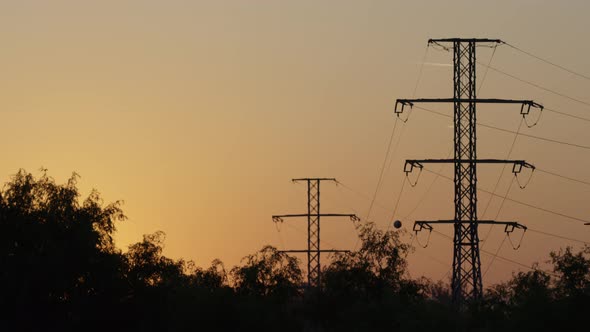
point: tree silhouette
(379, 263)
(60, 270)
(573, 270)
(543, 300)
(368, 289)
(58, 259)
(268, 272)
(572, 286)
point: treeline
(60, 271)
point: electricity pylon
(466, 284)
(313, 228)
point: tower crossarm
(306, 251)
(509, 225)
(313, 179)
(516, 168)
(525, 107)
(470, 40)
(279, 218)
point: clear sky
(198, 113)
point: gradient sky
(198, 113)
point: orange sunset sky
(197, 114)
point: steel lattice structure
(466, 260)
(466, 281)
(313, 232)
(313, 229)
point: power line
(518, 133)
(485, 73)
(401, 134)
(364, 196)
(488, 66)
(421, 68)
(544, 109)
(536, 231)
(536, 137)
(299, 230)
(509, 151)
(382, 169)
(304, 233)
(494, 256)
(387, 153)
(499, 210)
(396, 203)
(520, 264)
(500, 257)
(536, 85)
(543, 209)
(421, 200)
(490, 230)
(421, 252)
(548, 62)
(517, 201)
(512, 131)
(567, 114)
(562, 176)
(503, 169)
(558, 236)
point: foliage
(378, 264)
(57, 254)
(60, 270)
(561, 297)
(370, 283)
(573, 271)
(268, 272)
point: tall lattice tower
(466, 281)
(313, 216)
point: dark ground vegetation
(60, 271)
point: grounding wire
(548, 62)
(563, 95)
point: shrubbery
(60, 270)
